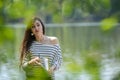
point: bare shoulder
(53, 40)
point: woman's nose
(36, 28)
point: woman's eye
(38, 25)
(33, 26)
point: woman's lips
(36, 31)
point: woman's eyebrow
(37, 23)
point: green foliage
(6, 43)
(117, 53)
(6, 34)
(19, 9)
(92, 65)
(108, 23)
(106, 3)
(74, 67)
(96, 45)
(57, 18)
(67, 8)
(36, 73)
(58, 10)
(16, 9)
(3, 57)
(1, 3)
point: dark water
(89, 53)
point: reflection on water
(110, 67)
(88, 52)
(9, 72)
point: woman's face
(37, 28)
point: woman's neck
(40, 38)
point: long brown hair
(28, 38)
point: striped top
(49, 51)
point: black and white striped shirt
(50, 51)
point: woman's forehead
(36, 22)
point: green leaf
(108, 24)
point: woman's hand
(51, 70)
(35, 60)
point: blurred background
(88, 31)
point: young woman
(39, 49)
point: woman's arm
(58, 59)
(58, 56)
(28, 60)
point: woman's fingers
(34, 60)
(38, 63)
(37, 59)
(50, 70)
